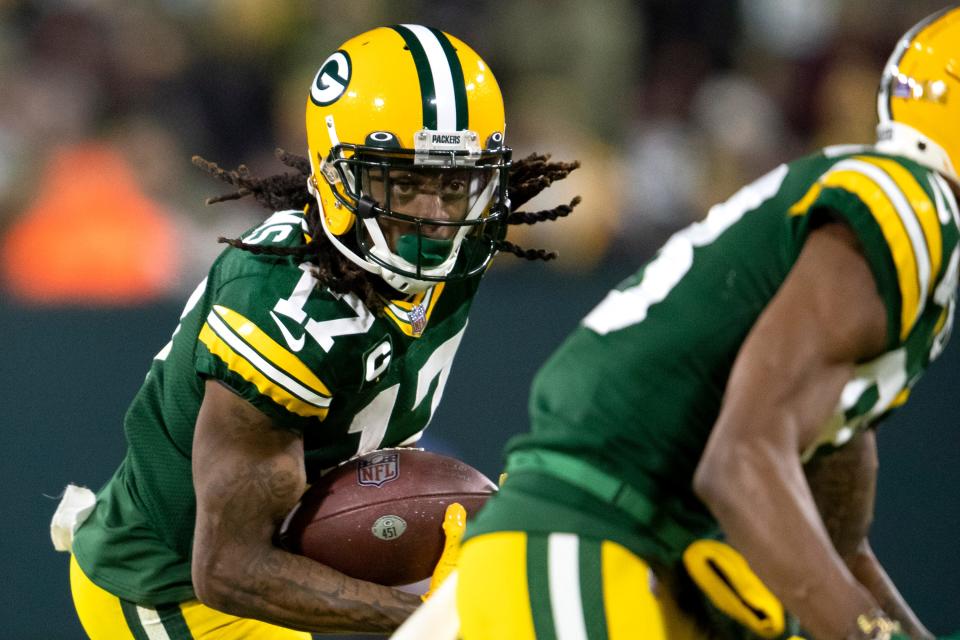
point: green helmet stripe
(442, 88)
(428, 91)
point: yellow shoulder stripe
(271, 349)
(248, 372)
(252, 358)
(923, 207)
(802, 205)
(895, 234)
(907, 218)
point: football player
(702, 456)
(326, 332)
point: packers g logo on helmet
(331, 80)
(405, 128)
(919, 97)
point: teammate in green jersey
(702, 455)
(326, 332)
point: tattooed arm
(844, 485)
(248, 474)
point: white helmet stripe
(446, 104)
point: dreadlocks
(528, 177)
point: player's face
(429, 194)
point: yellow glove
(454, 524)
(731, 585)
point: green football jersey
(315, 361)
(635, 390)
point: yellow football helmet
(405, 128)
(919, 97)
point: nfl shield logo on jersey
(418, 320)
(378, 469)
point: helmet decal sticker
(331, 80)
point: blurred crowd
(670, 105)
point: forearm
(247, 477)
(843, 484)
(868, 570)
(766, 512)
(238, 570)
(293, 591)
(786, 385)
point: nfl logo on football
(379, 469)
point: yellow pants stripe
(495, 597)
(492, 595)
(102, 616)
(632, 612)
(100, 612)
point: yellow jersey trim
(900, 399)
(398, 310)
(271, 349)
(802, 205)
(895, 233)
(908, 220)
(923, 208)
(275, 383)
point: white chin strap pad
(403, 284)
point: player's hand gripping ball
(380, 517)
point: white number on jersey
(621, 309)
(187, 308)
(324, 331)
(372, 421)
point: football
(379, 517)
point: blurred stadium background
(669, 104)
